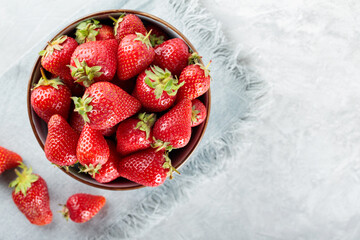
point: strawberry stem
(64, 211)
(144, 39)
(24, 180)
(54, 82)
(90, 169)
(146, 122)
(167, 165)
(82, 106)
(194, 115)
(161, 145)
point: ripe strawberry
(81, 207)
(105, 104)
(174, 127)
(61, 142)
(135, 54)
(31, 196)
(77, 123)
(92, 30)
(109, 171)
(147, 167)
(156, 89)
(50, 97)
(57, 55)
(127, 24)
(93, 62)
(197, 81)
(8, 159)
(173, 55)
(198, 112)
(157, 36)
(135, 134)
(92, 150)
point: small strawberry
(57, 55)
(157, 36)
(135, 54)
(109, 171)
(173, 55)
(147, 167)
(77, 123)
(50, 97)
(127, 24)
(93, 62)
(8, 159)
(81, 207)
(31, 196)
(105, 104)
(199, 113)
(174, 127)
(197, 81)
(135, 134)
(156, 89)
(92, 30)
(61, 142)
(92, 150)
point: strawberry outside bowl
(177, 156)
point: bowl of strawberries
(119, 100)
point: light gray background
(300, 177)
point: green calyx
(54, 45)
(54, 82)
(155, 40)
(158, 144)
(64, 211)
(117, 22)
(194, 58)
(167, 165)
(161, 80)
(144, 39)
(205, 68)
(24, 180)
(90, 169)
(82, 106)
(83, 73)
(194, 114)
(146, 122)
(85, 31)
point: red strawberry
(50, 97)
(198, 112)
(173, 55)
(31, 196)
(57, 55)
(135, 134)
(76, 89)
(92, 150)
(156, 89)
(109, 171)
(147, 167)
(135, 54)
(174, 127)
(92, 30)
(8, 159)
(61, 142)
(127, 24)
(77, 123)
(197, 81)
(157, 36)
(93, 62)
(81, 207)
(105, 104)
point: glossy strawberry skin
(105, 33)
(110, 105)
(133, 57)
(97, 53)
(8, 159)
(109, 171)
(82, 207)
(173, 55)
(130, 24)
(129, 139)
(61, 142)
(196, 83)
(92, 147)
(36, 204)
(47, 101)
(200, 117)
(144, 167)
(175, 125)
(146, 95)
